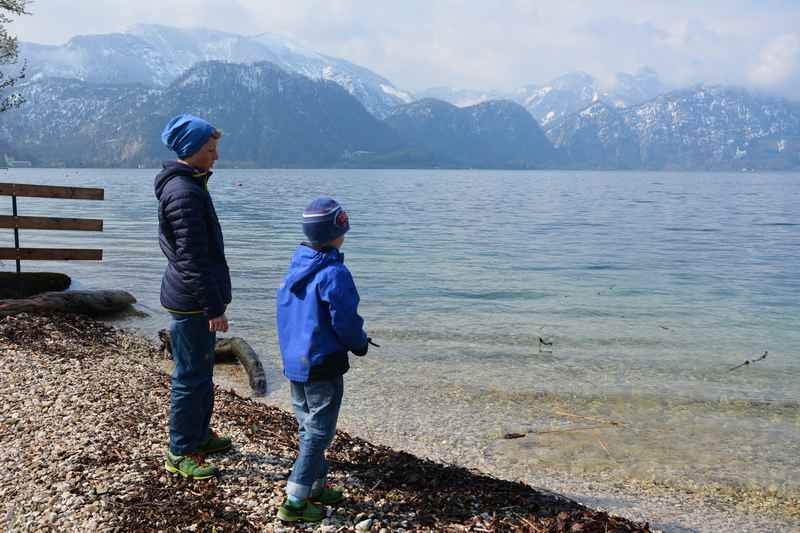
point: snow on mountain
(562, 96)
(299, 121)
(156, 55)
(633, 89)
(572, 92)
(558, 98)
(459, 97)
(705, 127)
(112, 58)
(596, 137)
(716, 126)
(183, 48)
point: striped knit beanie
(324, 220)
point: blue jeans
(316, 405)
(192, 399)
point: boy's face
(338, 243)
(204, 158)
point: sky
(485, 44)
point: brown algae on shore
(749, 485)
(700, 455)
(83, 433)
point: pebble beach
(82, 439)
(83, 433)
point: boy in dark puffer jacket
(196, 290)
(318, 323)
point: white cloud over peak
(484, 45)
(779, 62)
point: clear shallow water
(650, 286)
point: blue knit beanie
(186, 134)
(324, 220)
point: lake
(650, 287)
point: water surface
(650, 286)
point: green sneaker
(215, 444)
(304, 512)
(191, 465)
(327, 496)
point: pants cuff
(318, 485)
(182, 451)
(298, 491)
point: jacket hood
(306, 262)
(172, 169)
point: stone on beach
(83, 432)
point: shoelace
(198, 458)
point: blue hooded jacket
(317, 312)
(197, 279)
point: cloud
(484, 45)
(779, 63)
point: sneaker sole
(285, 518)
(216, 450)
(320, 502)
(171, 469)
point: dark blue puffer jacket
(196, 279)
(317, 312)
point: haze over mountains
(101, 100)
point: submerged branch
(747, 362)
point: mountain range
(155, 56)
(491, 134)
(564, 95)
(702, 128)
(101, 100)
(300, 122)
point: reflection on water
(650, 287)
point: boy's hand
(361, 352)
(219, 324)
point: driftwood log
(93, 303)
(27, 284)
(229, 350)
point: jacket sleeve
(340, 293)
(185, 213)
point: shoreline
(665, 506)
(84, 432)
(77, 373)
(674, 505)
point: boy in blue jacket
(318, 323)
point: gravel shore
(83, 434)
(673, 508)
